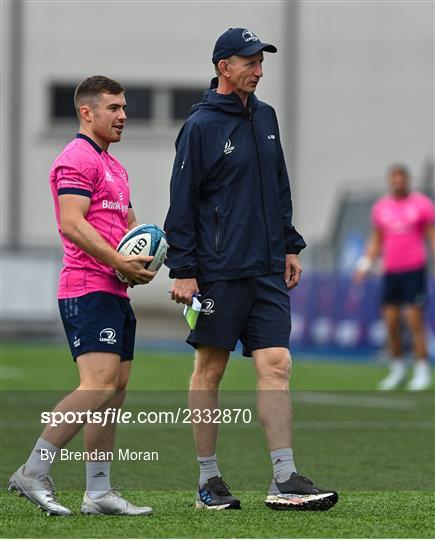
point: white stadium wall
(160, 44)
(359, 95)
(134, 43)
(5, 50)
(365, 96)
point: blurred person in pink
(403, 221)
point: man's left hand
(293, 270)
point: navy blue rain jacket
(230, 213)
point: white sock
(41, 459)
(98, 478)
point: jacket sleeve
(294, 242)
(180, 227)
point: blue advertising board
(332, 314)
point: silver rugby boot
(39, 491)
(113, 504)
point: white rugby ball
(146, 239)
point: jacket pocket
(217, 231)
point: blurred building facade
(352, 84)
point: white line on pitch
(11, 373)
(365, 424)
(326, 398)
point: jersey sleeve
(428, 211)
(76, 175)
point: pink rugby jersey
(83, 168)
(402, 223)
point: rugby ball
(144, 239)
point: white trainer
(422, 377)
(396, 376)
(113, 504)
(39, 491)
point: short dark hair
(89, 90)
(399, 168)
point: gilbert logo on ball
(145, 239)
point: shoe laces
(114, 493)
(303, 479)
(221, 488)
(48, 483)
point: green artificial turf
(376, 449)
(363, 514)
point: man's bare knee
(98, 397)
(99, 371)
(273, 364)
(100, 388)
(121, 391)
(279, 368)
(123, 377)
(210, 364)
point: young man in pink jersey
(93, 211)
(402, 222)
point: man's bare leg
(391, 315)
(98, 437)
(98, 377)
(288, 490)
(210, 364)
(101, 438)
(273, 367)
(414, 317)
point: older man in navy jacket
(229, 227)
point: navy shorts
(407, 288)
(254, 310)
(99, 322)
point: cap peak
(239, 42)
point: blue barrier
(331, 314)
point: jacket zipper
(216, 229)
(269, 266)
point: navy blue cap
(241, 42)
